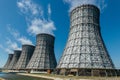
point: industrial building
(14, 60)
(27, 52)
(85, 53)
(10, 56)
(43, 58)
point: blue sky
(19, 23)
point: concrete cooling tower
(43, 57)
(14, 60)
(85, 52)
(27, 52)
(8, 61)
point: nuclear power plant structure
(27, 52)
(10, 56)
(43, 58)
(85, 53)
(14, 60)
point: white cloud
(12, 31)
(11, 46)
(27, 6)
(49, 10)
(74, 3)
(24, 40)
(36, 21)
(9, 51)
(1, 46)
(41, 26)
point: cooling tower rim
(46, 34)
(10, 54)
(31, 45)
(85, 5)
(17, 50)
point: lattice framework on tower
(8, 61)
(14, 60)
(85, 47)
(27, 52)
(43, 56)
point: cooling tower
(43, 57)
(85, 51)
(14, 60)
(8, 61)
(27, 51)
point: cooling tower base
(89, 72)
(40, 71)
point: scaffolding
(43, 58)
(85, 52)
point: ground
(59, 77)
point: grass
(20, 77)
(80, 77)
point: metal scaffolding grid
(43, 57)
(27, 52)
(8, 61)
(15, 58)
(85, 47)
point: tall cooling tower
(85, 49)
(8, 61)
(27, 52)
(43, 57)
(14, 60)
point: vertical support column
(77, 73)
(106, 73)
